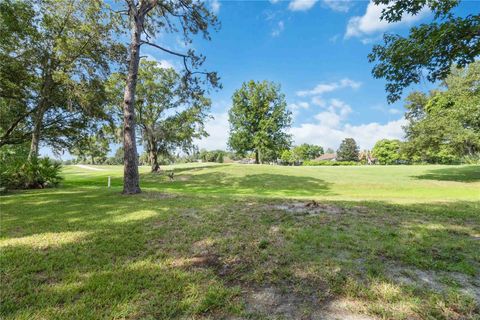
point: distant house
(327, 157)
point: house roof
(327, 156)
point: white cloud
(394, 111)
(329, 87)
(217, 128)
(335, 113)
(300, 105)
(296, 107)
(338, 5)
(162, 62)
(301, 5)
(364, 134)
(278, 29)
(386, 110)
(330, 127)
(327, 128)
(166, 64)
(318, 102)
(370, 22)
(215, 5)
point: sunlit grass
(399, 243)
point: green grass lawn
(246, 242)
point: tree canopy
(169, 116)
(54, 58)
(348, 150)
(387, 151)
(445, 124)
(431, 48)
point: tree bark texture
(131, 179)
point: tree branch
(184, 56)
(14, 125)
(164, 49)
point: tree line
(72, 77)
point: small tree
(387, 151)
(286, 157)
(258, 120)
(348, 150)
(307, 151)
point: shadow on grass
(459, 174)
(255, 184)
(186, 256)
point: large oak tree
(258, 120)
(444, 125)
(54, 58)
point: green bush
(34, 174)
(471, 159)
(330, 163)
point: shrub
(471, 159)
(37, 173)
(330, 163)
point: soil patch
(272, 303)
(316, 208)
(436, 281)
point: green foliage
(53, 64)
(330, 163)
(169, 115)
(17, 173)
(471, 159)
(444, 126)
(287, 157)
(301, 153)
(432, 47)
(307, 151)
(117, 158)
(212, 156)
(258, 120)
(92, 149)
(348, 150)
(387, 151)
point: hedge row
(330, 163)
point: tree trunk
(37, 128)
(131, 179)
(154, 161)
(256, 157)
(39, 114)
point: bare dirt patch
(313, 208)
(273, 303)
(436, 281)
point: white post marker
(109, 181)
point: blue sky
(317, 51)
